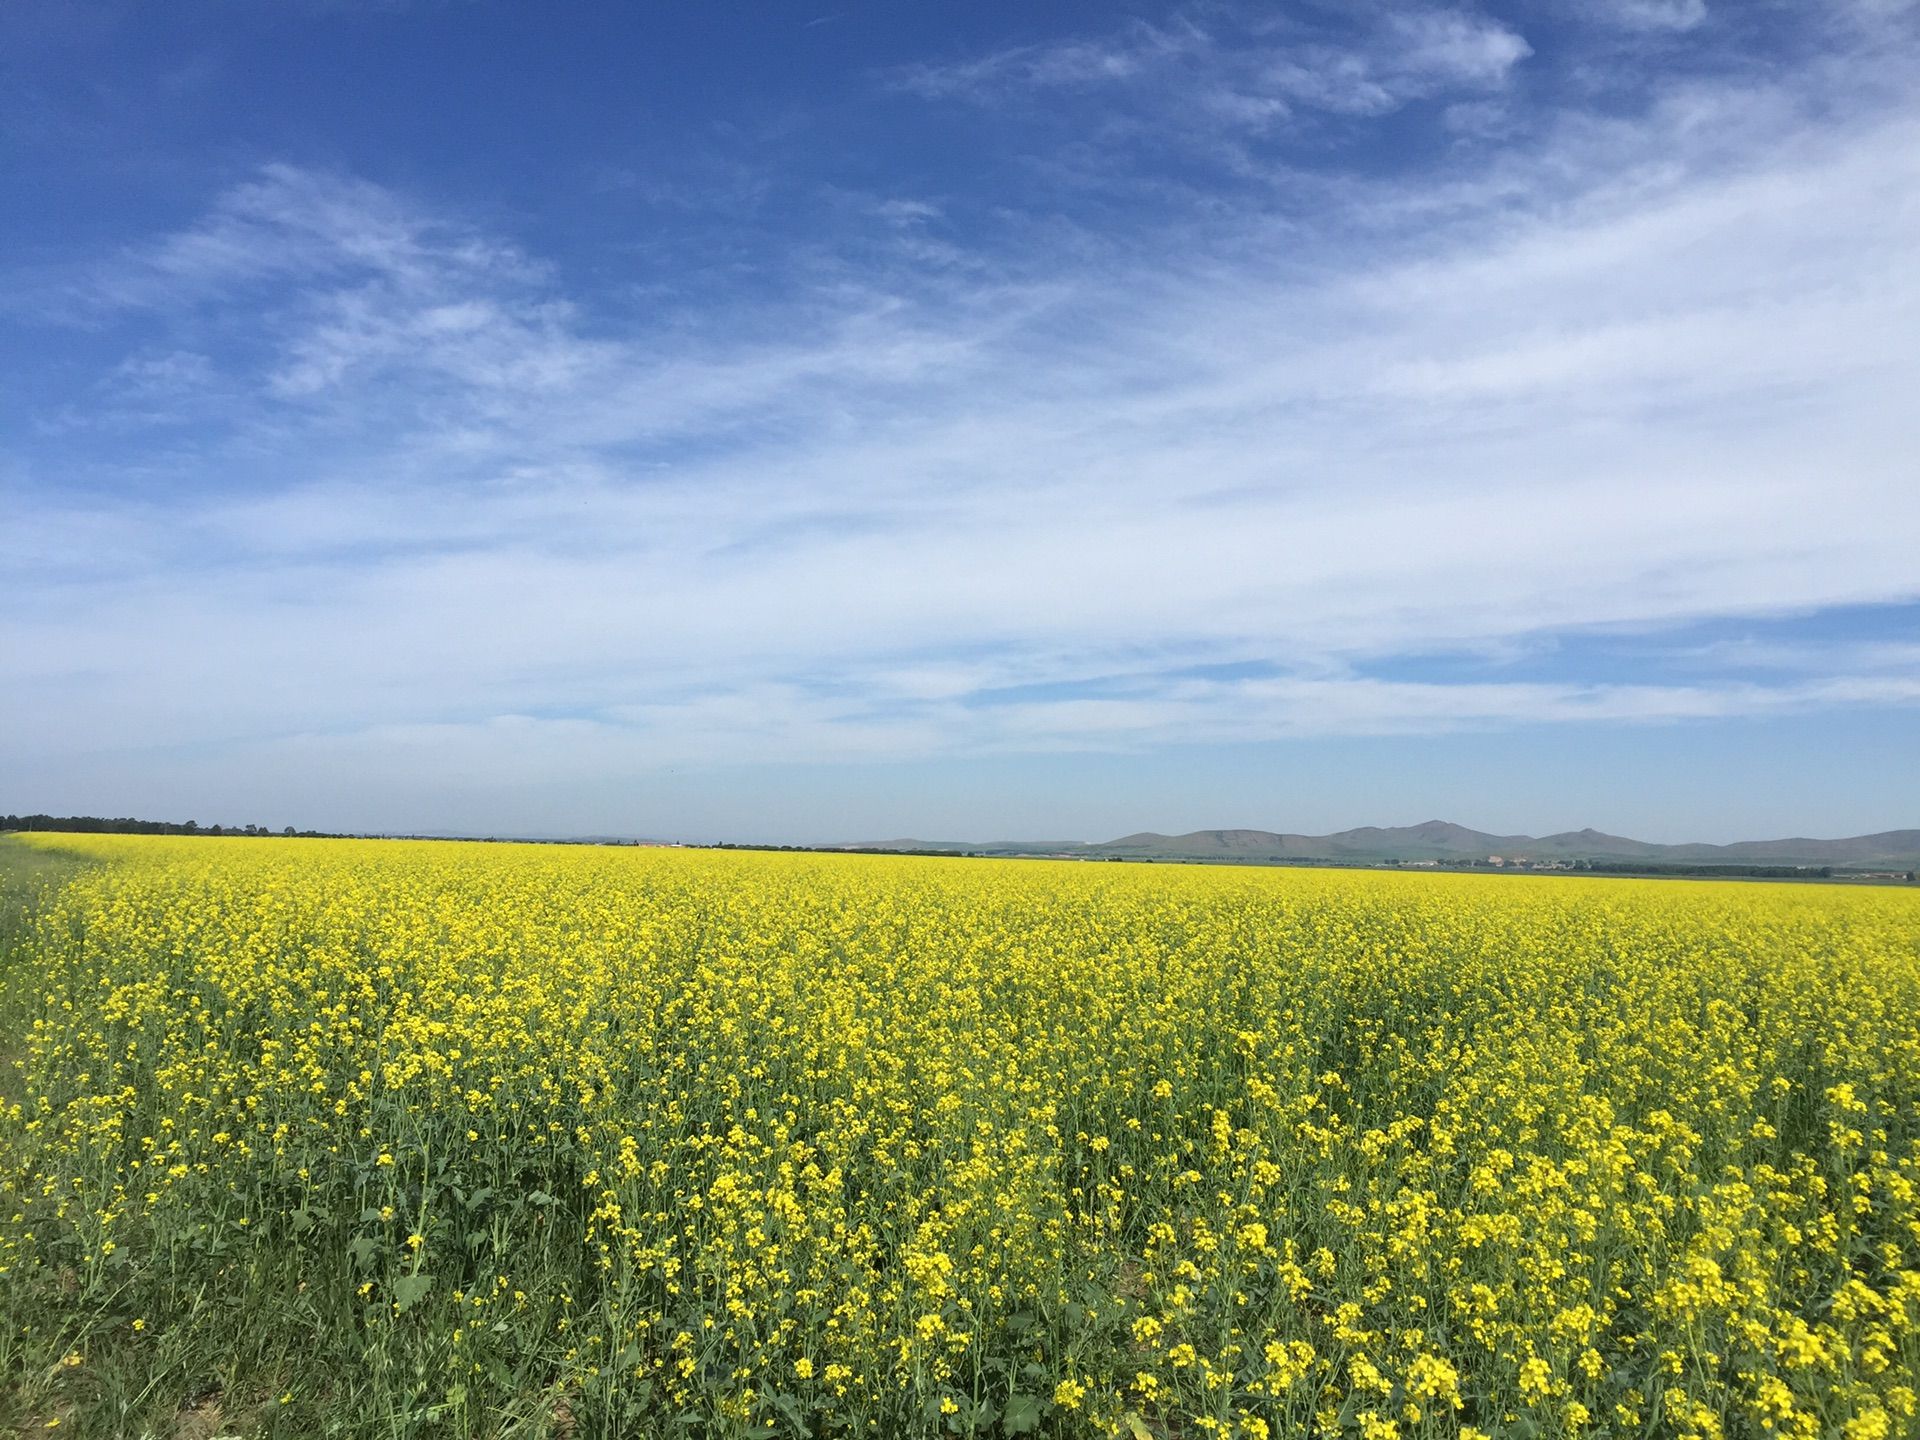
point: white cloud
(288, 222)
(1653, 14)
(164, 375)
(1136, 50)
(1195, 74)
(1457, 45)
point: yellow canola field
(475, 1139)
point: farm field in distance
(368, 1138)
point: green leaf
(1350, 1411)
(1137, 1426)
(788, 1406)
(362, 1250)
(1021, 1415)
(410, 1290)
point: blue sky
(837, 421)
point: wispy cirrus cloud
(1654, 14)
(1241, 72)
(1135, 51)
(289, 224)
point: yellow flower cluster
(698, 1142)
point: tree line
(1751, 872)
(126, 825)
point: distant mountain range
(1439, 840)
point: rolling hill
(1440, 840)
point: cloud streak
(1205, 76)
